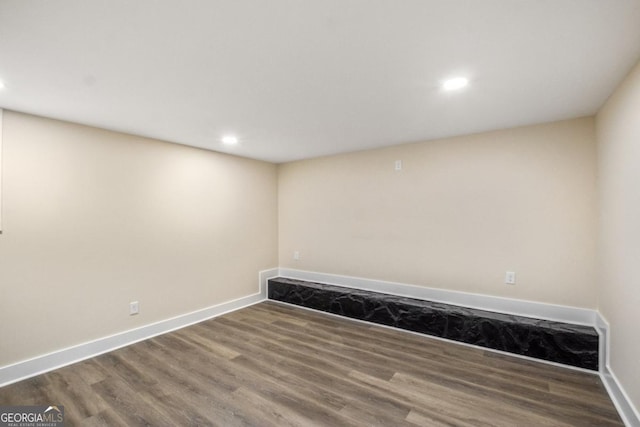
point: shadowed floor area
(276, 365)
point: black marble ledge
(564, 343)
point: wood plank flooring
(277, 365)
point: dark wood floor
(272, 364)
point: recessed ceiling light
(1, 85)
(229, 140)
(455, 83)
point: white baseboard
(620, 398)
(263, 278)
(559, 313)
(57, 359)
(602, 326)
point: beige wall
(95, 219)
(461, 213)
(618, 130)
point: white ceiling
(297, 79)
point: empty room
(320, 213)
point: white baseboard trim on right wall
(628, 412)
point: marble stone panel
(569, 344)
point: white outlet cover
(510, 278)
(134, 308)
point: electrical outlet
(398, 165)
(510, 278)
(134, 308)
(296, 255)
